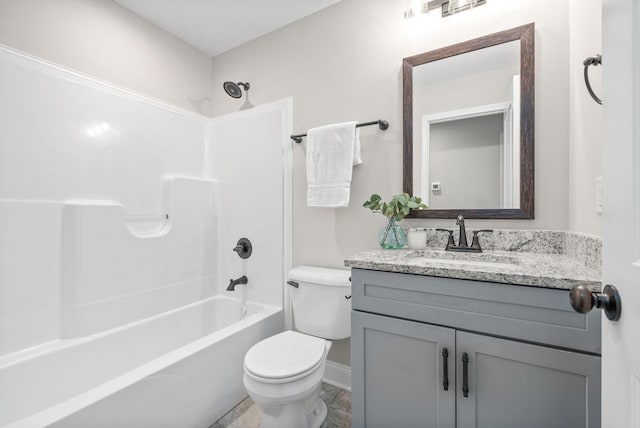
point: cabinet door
(513, 384)
(397, 373)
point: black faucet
(450, 240)
(233, 282)
(462, 240)
(243, 248)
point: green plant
(393, 236)
(397, 208)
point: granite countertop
(508, 267)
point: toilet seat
(285, 357)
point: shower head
(233, 89)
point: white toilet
(283, 373)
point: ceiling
(215, 26)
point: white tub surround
(118, 216)
(117, 270)
(88, 174)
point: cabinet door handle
(445, 369)
(465, 374)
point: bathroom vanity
(472, 340)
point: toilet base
(318, 415)
(292, 412)
(291, 415)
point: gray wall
(585, 121)
(105, 40)
(344, 63)
(464, 156)
(471, 91)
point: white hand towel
(332, 151)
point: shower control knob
(243, 248)
(582, 300)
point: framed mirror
(468, 112)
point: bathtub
(180, 369)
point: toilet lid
(284, 355)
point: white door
(621, 233)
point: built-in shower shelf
(145, 226)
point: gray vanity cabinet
(400, 365)
(402, 323)
(514, 384)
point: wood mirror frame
(525, 34)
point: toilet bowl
(283, 376)
(283, 373)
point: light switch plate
(599, 195)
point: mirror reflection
(469, 127)
(466, 118)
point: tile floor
(247, 415)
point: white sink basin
(462, 258)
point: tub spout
(233, 282)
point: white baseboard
(337, 374)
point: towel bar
(383, 124)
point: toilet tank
(320, 304)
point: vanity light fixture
(450, 7)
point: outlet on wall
(599, 195)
